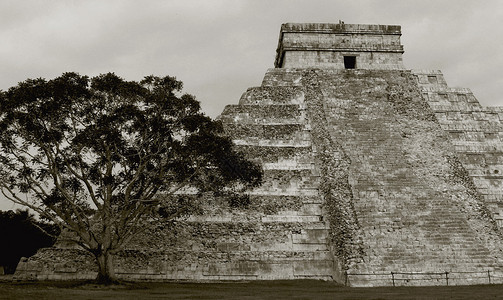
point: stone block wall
(366, 172)
(475, 131)
(335, 60)
(415, 209)
(281, 235)
(396, 195)
(325, 45)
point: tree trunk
(106, 272)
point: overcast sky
(219, 48)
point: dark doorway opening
(350, 62)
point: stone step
(286, 249)
(287, 179)
(272, 96)
(273, 154)
(272, 204)
(310, 236)
(316, 225)
(291, 219)
(307, 209)
(282, 78)
(411, 213)
(300, 200)
(303, 140)
(279, 173)
(310, 247)
(261, 250)
(267, 131)
(289, 164)
(285, 185)
(311, 192)
(288, 189)
(268, 255)
(433, 258)
(285, 205)
(268, 270)
(256, 114)
(430, 79)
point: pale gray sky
(219, 48)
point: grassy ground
(299, 289)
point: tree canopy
(84, 151)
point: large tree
(95, 155)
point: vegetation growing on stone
(334, 186)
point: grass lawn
(295, 289)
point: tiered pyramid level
(476, 133)
(282, 235)
(373, 175)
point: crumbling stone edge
(334, 186)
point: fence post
(489, 275)
(346, 279)
(393, 278)
(447, 278)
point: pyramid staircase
(476, 133)
(270, 126)
(417, 208)
(372, 176)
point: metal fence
(415, 278)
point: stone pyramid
(374, 175)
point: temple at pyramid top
(339, 46)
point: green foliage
(75, 147)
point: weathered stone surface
(371, 175)
(326, 45)
(411, 206)
(476, 133)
